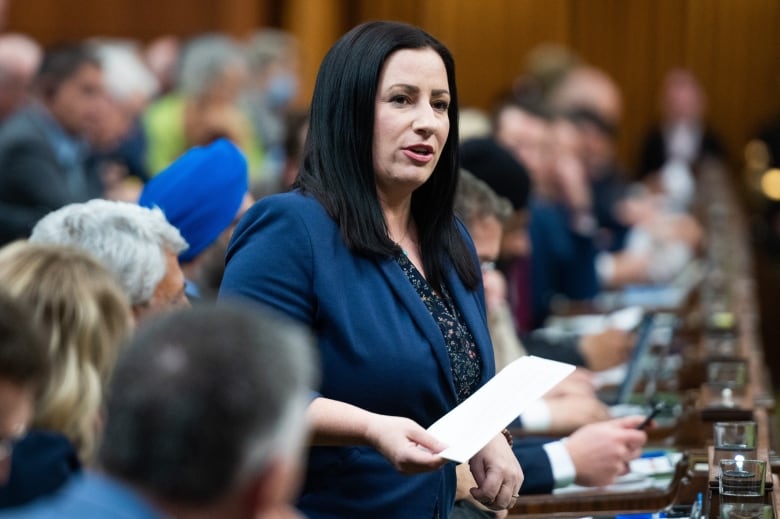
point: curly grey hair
(131, 241)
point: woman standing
(367, 252)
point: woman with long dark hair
(367, 251)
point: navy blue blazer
(562, 261)
(536, 465)
(41, 464)
(380, 348)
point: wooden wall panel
(622, 38)
(733, 46)
(317, 25)
(52, 21)
(491, 40)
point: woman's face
(411, 121)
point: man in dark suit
(43, 146)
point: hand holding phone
(657, 408)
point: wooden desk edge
(600, 501)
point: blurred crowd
(125, 167)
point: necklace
(403, 238)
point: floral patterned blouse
(464, 358)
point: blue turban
(200, 193)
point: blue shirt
(88, 496)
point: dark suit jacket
(41, 463)
(652, 154)
(380, 349)
(33, 181)
(562, 261)
(536, 465)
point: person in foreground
(206, 418)
(367, 252)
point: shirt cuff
(605, 267)
(536, 417)
(563, 469)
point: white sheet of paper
(479, 418)
(626, 319)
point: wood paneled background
(733, 46)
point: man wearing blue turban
(203, 194)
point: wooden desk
(595, 502)
(712, 508)
(729, 291)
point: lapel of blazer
(417, 309)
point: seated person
(203, 194)
(571, 258)
(206, 418)
(507, 178)
(594, 454)
(203, 105)
(43, 145)
(674, 147)
(136, 244)
(85, 317)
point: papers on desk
(625, 319)
(667, 296)
(645, 473)
(478, 419)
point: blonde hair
(85, 317)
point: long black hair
(337, 166)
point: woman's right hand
(410, 448)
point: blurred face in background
(486, 232)
(524, 135)
(566, 167)
(169, 294)
(227, 85)
(515, 242)
(78, 103)
(683, 99)
(114, 124)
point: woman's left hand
(497, 473)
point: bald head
(19, 60)
(591, 88)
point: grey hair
(474, 200)
(267, 46)
(125, 75)
(227, 382)
(130, 240)
(204, 60)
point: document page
(471, 425)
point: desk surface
(733, 290)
